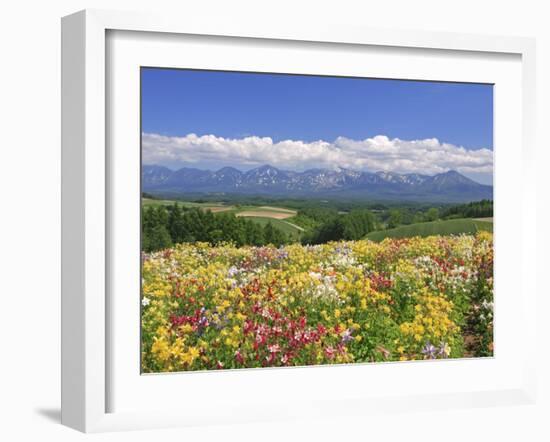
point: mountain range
(267, 180)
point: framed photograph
(269, 222)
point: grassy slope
(448, 227)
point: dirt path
(301, 229)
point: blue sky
(307, 109)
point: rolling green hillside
(447, 227)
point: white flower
(145, 301)
(315, 275)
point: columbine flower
(444, 350)
(429, 350)
(145, 302)
(232, 271)
(283, 254)
(330, 352)
(203, 321)
(239, 357)
(346, 336)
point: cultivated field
(278, 209)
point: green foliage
(156, 238)
(273, 236)
(395, 219)
(475, 209)
(354, 225)
(418, 218)
(432, 214)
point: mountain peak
(454, 175)
(267, 167)
(451, 172)
(264, 170)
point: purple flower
(283, 254)
(346, 336)
(343, 250)
(429, 350)
(232, 271)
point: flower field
(224, 307)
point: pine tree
(158, 238)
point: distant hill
(267, 180)
(448, 227)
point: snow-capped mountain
(268, 180)
(155, 175)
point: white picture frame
(87, 320)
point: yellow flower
(186, 328)
(190, 355)
(240, 317)
(160, 348)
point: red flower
(239, 357)
(330, 352)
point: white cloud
(428, 156)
